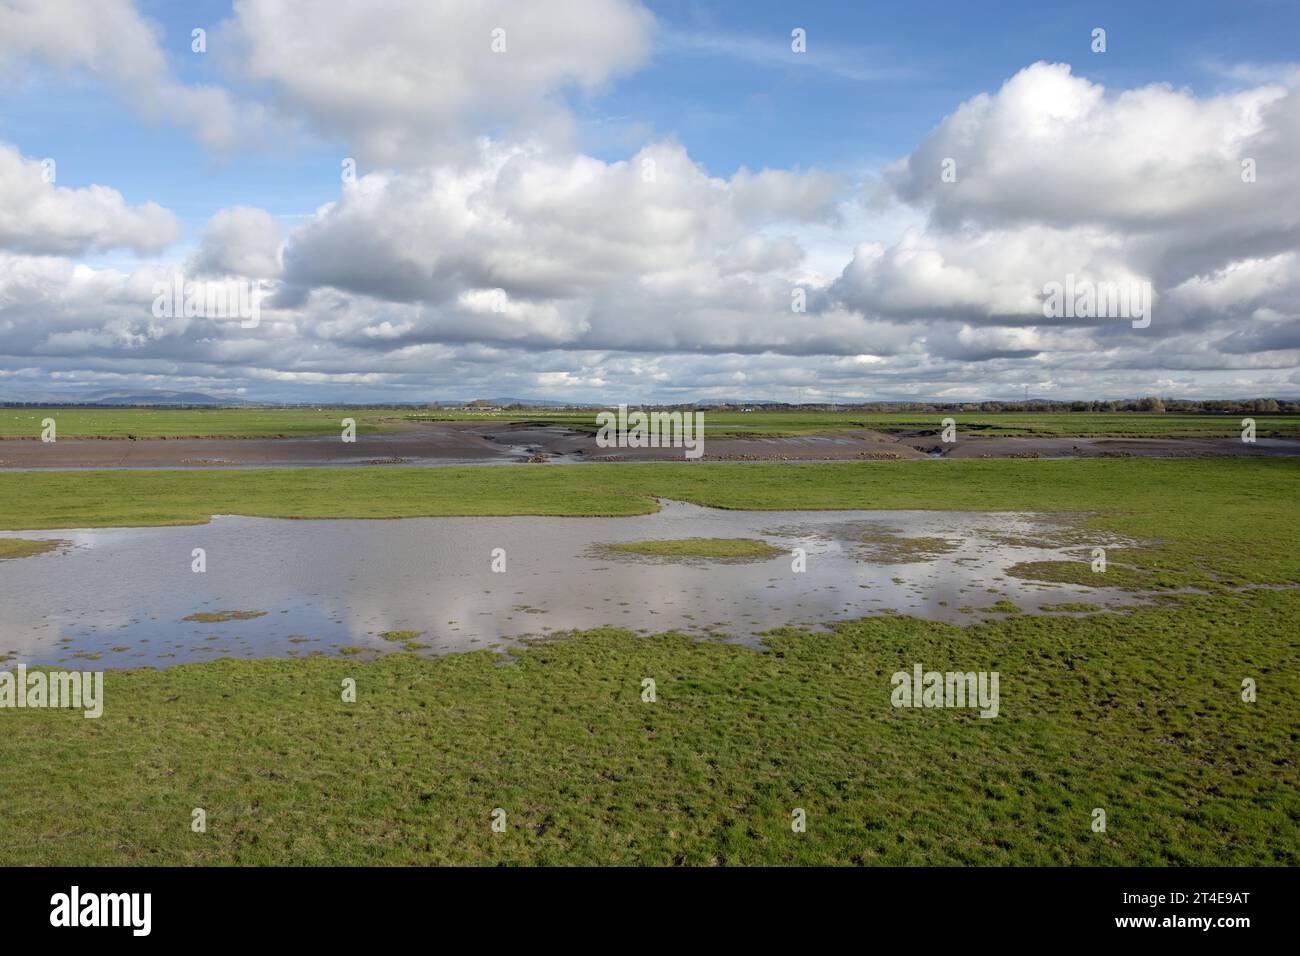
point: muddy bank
(420, 445)
(456, 443)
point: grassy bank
(20, 548)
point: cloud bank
(482, 252)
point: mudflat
(458, 443)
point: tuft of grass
(1003, 606)
(889, 548)
(1080, 572)
(698, 548)
(220, 617)
(25, 548)
(400, 635)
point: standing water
(120, 596)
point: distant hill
(156, 396)
(526, 402)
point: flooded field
(128, 597)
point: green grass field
(190, 422)
(291, 422)
(1138, 713)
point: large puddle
(118, 597)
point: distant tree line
(1149, 404)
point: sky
(611, 200)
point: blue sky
(734, 94)
(715, 82)
(875, 79)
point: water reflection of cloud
(346, 582)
